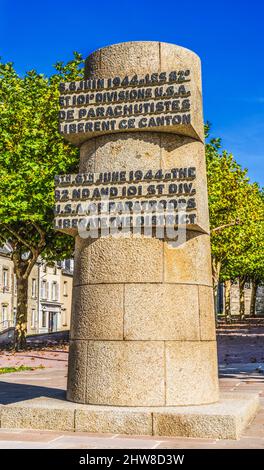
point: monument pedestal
(225, 419)
(143, 327)
(142, 356)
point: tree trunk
(242, 281)
(227, 300)
(21, 317)
(215, 290)
(216, 267)
(253, 298)
(27, 241)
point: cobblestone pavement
(51, 382)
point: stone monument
(142, 344)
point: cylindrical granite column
(142, 330)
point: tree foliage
(32, 152)
(236, 209)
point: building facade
(55, 288)
(7, 290)
(49, 295)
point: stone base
(225, 419)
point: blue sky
(227, 35)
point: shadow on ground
(12, 392)
(243, 372)
(16, 392)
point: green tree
(226, 180)
(32, 152)
(245, 261)
(255, 258)
(248, 262)
(236, 218)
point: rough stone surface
(38, 414)
(191, 372)
(76, 387)
(161, 312)
(171, 54)
(114, 420)
(98, 312)
(126, 152)
(176, 152)
(123, 58)
(223, 420)
(190, 262)
(118, 260)
(87, 156)
(126, 373)
(206, 313)
(122, 152)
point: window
(44, 324)
(67, 264)
(65, 288)
(34, 288)
(54, 291)
(4, 312)
(44, 289)
(5, 279)
(33, 318)
(15, 285)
